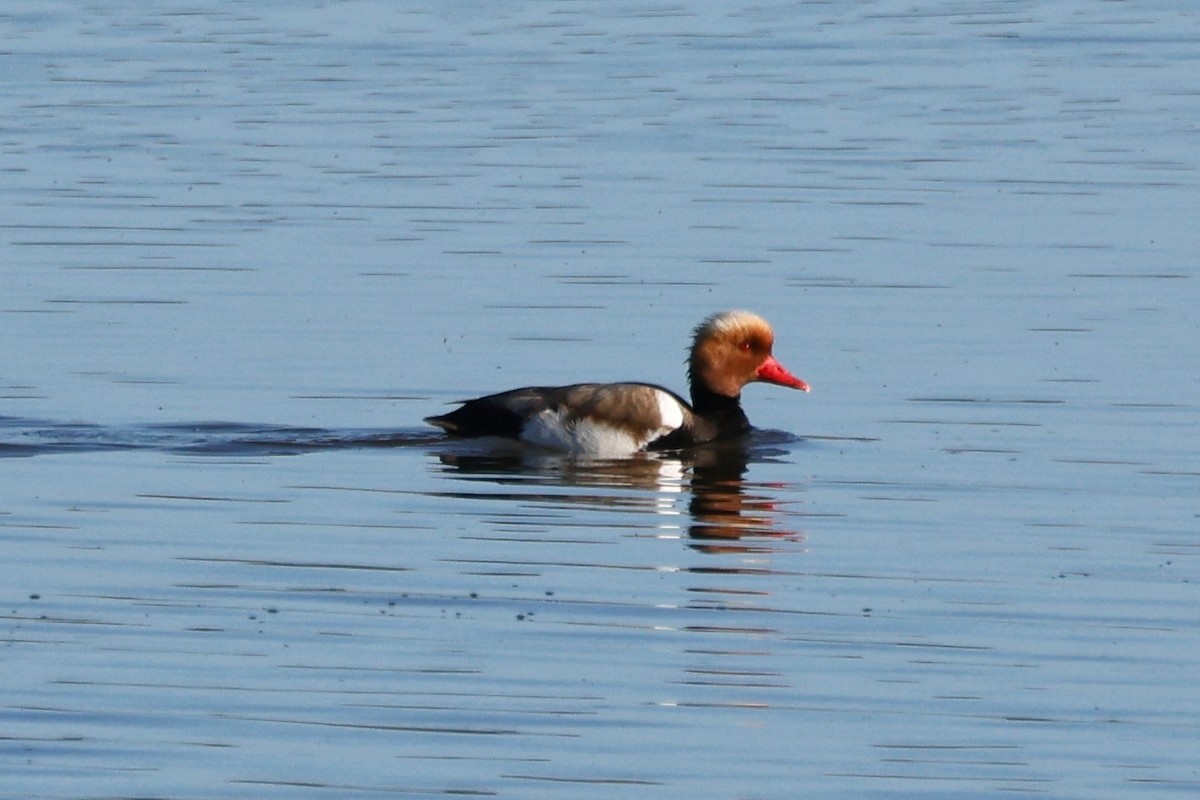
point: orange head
(733, 348)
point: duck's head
(733, 348)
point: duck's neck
(723, 414)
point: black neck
(724, 414)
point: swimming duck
(616, 420)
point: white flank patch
(597, 440)
(548, 429)
(669, 412)
(555, 430)
(552, 429)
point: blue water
(247, 248)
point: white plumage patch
(670, 413)
(557, 429)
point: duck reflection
(722, 508)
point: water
(247, 248)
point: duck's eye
(744, 347)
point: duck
(729, 350)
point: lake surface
(246, 248)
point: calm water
(246, 248)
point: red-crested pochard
(614, 420)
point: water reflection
(722, 507)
